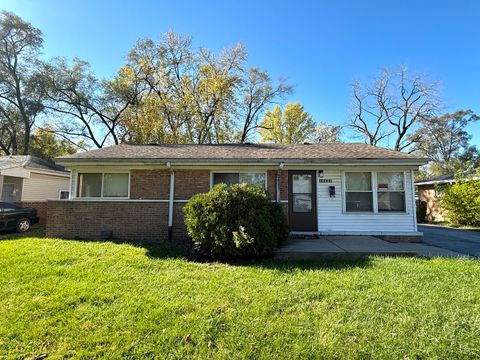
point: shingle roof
(241, 152)
(11, 161)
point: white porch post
(414, 205)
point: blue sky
(319, 46)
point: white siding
(41, 187)
(332, 218)
(73, 184)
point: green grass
(73, 299)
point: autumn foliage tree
(291, 126)
(193, 95)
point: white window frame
(344, 192)
(375, 194)
(101, 197)
(404, 192)
(60, 194)
(238, 172)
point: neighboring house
(137, 192)
(429, 191)
(30, 182)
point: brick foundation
(127, 220)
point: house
(30, 181)
(137, 192)
(429, 192)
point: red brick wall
(272, 184)
(191, 182)
(140, 220)
(42, 209)
(137, 221)
(179, 230)
(150, 184)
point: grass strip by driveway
(73, 299)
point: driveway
(462, 241)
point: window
(358, 192)
(89, 185)
(253, 178)
(302, 193)
(115, 185)
(391, 191)
(107, 185)
(64, 194)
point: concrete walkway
(341, 247)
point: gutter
(450, 181)
(234, 162)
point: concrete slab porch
(310, 247)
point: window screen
(89, 185)
(358, 192)
(391, 192)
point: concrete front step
(354, 247)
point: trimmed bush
(461, 201)
(237, 221)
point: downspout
(1, 186)
(277, 180)
(414, 205)
(170, 202)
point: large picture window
(229, 178)
(358, 192)
(391, 191)
(103, 185)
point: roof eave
(148, 161)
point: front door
(302, 200)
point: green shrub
(461, 201)
(421, 211)
(238, 221)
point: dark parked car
(14, 217)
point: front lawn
(78, 299)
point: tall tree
(194, 89)
(291, 126)
(391, 107)
(445, 140)
(44, 144)
(325, 132)
(88, 109)
(195, 96)
(257, 92)
(21, 95)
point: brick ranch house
(137, 192)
